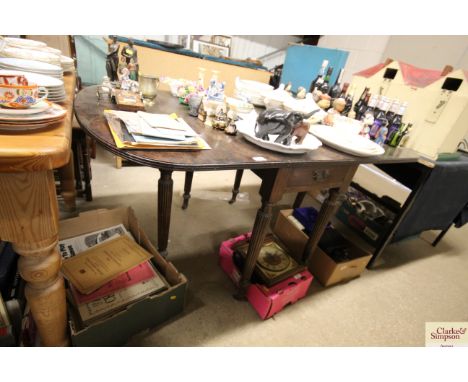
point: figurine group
(124, 69)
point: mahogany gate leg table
(324, 168)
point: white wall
(430, 52)
(364, 51)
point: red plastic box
(266, 301)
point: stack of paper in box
(143, 130)
(107, 271)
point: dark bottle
(335, 91)
(395, 124)
(392, 111)
(325, 87)
(360, 101)
(319, 79)
(382, 108)
(371, 105)
(360, 112)
(344, 90)
(348, 100)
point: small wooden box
(128, 101)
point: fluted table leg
(165, 186)
(29, 219)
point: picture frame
(210, 49)
(222, 40)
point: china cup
(13, 79)
(21, 96)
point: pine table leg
(29, 219)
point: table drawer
(301, 179)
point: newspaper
(107, 305)
(74, 245)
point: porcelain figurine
(381, 135)
(131, 58)
(367, 122)
(231, 129)
(216, 90)
(301, 92)
(220, 120)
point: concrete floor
(413, 282)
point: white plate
(347, 142)
(30, 54)
(10, 128)
(38, 79)
(35, 109)
(246, 129)
(30, 64)
(24, 42)
(52, 112)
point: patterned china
(21, 96)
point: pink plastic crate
(266, 301)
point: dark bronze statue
(112, 58)
(281, 123)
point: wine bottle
(404, 135)
(371, 105)
(344, 90)
(397, 135)
(363, 107)
(382, 108)
(319, 79)
(348, 101)
(335, 91)
(396, 121)
(361, 99)
(392, 111)
(325, 87)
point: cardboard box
(266, 301)
(143, 314)
(371, 229)
(322, 266)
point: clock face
(273, 258)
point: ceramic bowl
(21, 97)
(238, 105)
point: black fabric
(442, 200)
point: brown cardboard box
(140, 315)
(322, 266)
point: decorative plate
(246, 129)
(346, 142)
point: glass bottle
(360, 112)
(348, 102)
(392, 111)
(371, 105)
(394, 126)
(344, 90)
(319, 79)
(335, 91)
(360, 101)
(325, 87)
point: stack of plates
(24, 43)
(54, 85)
(31, 66)
(42, 114)
(68, 65)
(30, 54)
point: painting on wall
(210, 49)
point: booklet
(91, 269)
